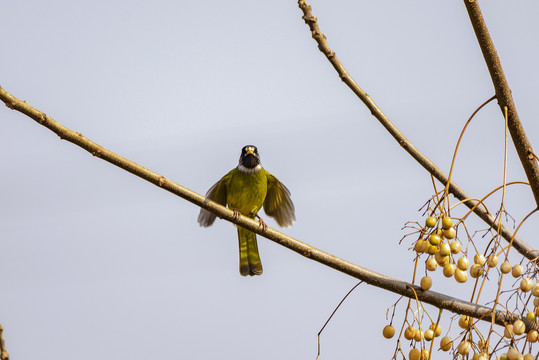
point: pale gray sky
(96, 262)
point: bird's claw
(237, 214)
(262, 223)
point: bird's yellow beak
(250, 150)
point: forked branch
(424, 161)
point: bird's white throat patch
(245, 169)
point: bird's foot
(237, 214)
(262, 223)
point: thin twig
(435, 328)
(333, 313)
(446, 190)
(397, 286)
(523, 248)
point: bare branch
(3, 353)
(503, 93)
(400, 287)
(454, 189)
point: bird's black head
(249, 159)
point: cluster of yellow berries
(465, 346)
(440, 245)
(411, 333)
(517, 328)
(438, 241)
(417, 335)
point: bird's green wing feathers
(216, 193)
(278, 203)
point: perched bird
(245, 190)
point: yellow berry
(418, 336)
(409, 333)
(436, 328)
(446, 222)
(526, 284)
(421, 246)
(441, 259)
(425, 354)
(426, 282)
(531, 316)
(450, 233)
(445, 249)
(492, 261)
(528, 356)
(431, 264)
(505, 267)
(464, 321)
(388, 331)
(429, 335)
(535, 290)
(482, 356)
(430, 222)
(479, 259)
(455, 247)
(476, 271)
(464, 348)
(463, 263)
(461, 276)
(431, 249)
(414, 354)
(435, 239)
(446, 343)
(519, 327)
(513, 354)
(449, 270)
(533, 336)
(516, 272)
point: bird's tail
(250, 263)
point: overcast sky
(98, 263)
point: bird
(245, 190)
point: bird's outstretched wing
(216, 193)
(278, 203)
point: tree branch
(3, 352)
(503, 93)
(400, 287)
(424, 161)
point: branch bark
(505, 98)
(3, 352)
(522, 247)
(399, 287)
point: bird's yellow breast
(247, 192)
